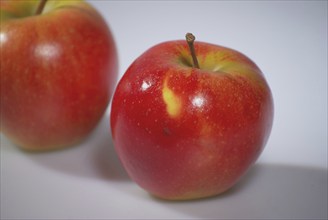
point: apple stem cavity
(40, 7)
(190, 38)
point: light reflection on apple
(145, 85)
(3, 38)
(47, 51)
(198, 101)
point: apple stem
(40, 7)
(190, 38)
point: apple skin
(58, 72)
(185, 133)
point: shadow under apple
(94, 158)
(267, 191)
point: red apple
(184, 132)
(58, 70)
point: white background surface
(287, 40)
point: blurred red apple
(58, 70)
(184, 132)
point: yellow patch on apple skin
(172, 101)
(224, 62)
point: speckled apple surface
(186, 133)
(288, 40)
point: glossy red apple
(186, 133)
(58, 70)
